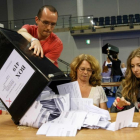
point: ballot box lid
(18, 94)
(112, 49)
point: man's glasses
(83, 69)
(46, 23)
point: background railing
(66, 64)
(64, 21)
(79, 22)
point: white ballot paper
(72, 88)
(79, 103)
(65, 125)
(31, 115)
(94, 109)
(47, 107)
(123, 119)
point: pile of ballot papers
(66, 113)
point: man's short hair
(50, 7)
(114, 56)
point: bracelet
(120, 108)
(32, 39)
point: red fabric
(52, 46)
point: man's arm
(51, 60)
(34, 44)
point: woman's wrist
(119, 108)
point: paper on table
(61, 130)
(79, 103)
(72, 88)
(133, 124)
(94, 109)
(81, 117)
(31, 115)
(103, 124)
(65, 125)
(123, 119)
(92, 119)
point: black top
(115, 70)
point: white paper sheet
(31, 115)
(79, 103)
(72, 88)
(123, 119)
(65, 125)
(92, 119)
(94, 109)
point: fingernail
(118, 99)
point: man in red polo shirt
(43, 40)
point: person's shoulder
(119, 60)
(27, 26)
(98, 87)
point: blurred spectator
(106, 74)
(107, 63)
(123, 68)
(106, 77)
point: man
(42, 38)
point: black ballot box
(23, 75)
(112, 49)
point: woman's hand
(121, 102)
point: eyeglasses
(46, 23)
(83, 69)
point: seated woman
(128, 94)
(86, 70)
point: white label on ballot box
(14, 75)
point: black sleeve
(113, 109)
(110, 58)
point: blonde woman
(86, 70)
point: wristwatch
(32, 39)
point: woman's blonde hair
(131, 83)
(95, 78)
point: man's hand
(121, 102)
(34, 44)
(37, 48)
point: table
(111, 84)
(10, 131)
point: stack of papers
(68, 123)
(47, 107)
(64, 114)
